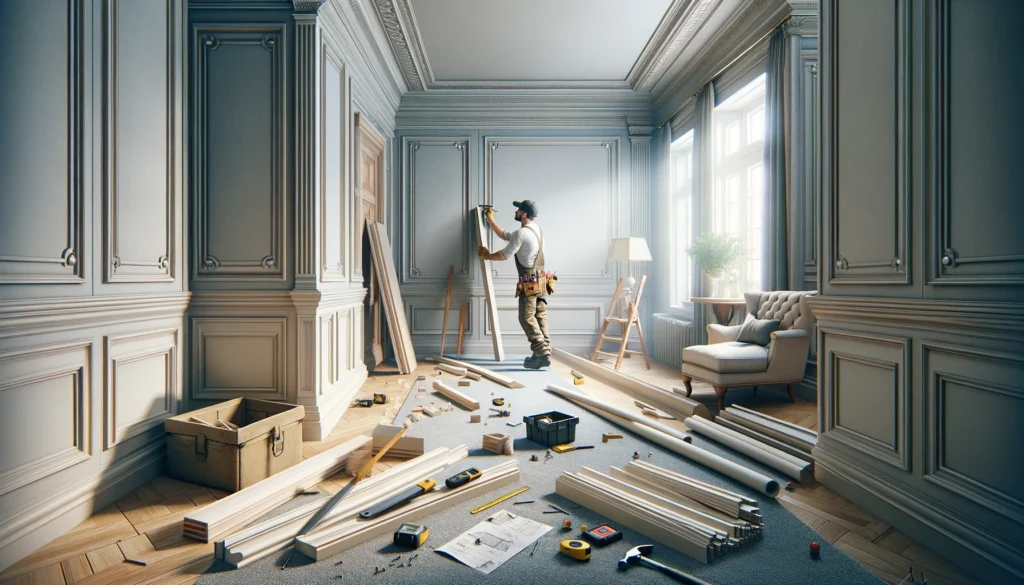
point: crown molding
(741, 30)
(683, 20)
(523, 108)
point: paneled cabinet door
(866, 133)
(975, 199)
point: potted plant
(714, 253)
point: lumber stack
(784, 436)
(456, 396)
(323, 543)
(498, 443)
(794, 467)
(243, 506)
(660, 510)
(266, 537)
(489, 374)
(404, 448)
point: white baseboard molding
(321, 418)
(54, 514)
(973, 548)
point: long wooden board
(384, 268)
(465, 401)
(447, 305)
(492, 306)
(489, 374)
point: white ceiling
(534, 40)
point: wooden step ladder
(625, 325)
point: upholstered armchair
(760, 359)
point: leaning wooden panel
(384, 268)
(239, 508)
(485, 270)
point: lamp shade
(631, 249)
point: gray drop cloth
(780, 558)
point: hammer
(638, 556)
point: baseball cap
(528, 206)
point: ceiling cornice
(681, 23)
(388, 12)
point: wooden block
(498, 443)
(463, 382)
(453, 394)
(453, 370)
(432, 410)
(473, 376)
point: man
(526, 246)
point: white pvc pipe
(747, 477)
(770, 456)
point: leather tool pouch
(535, 288)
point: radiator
(671, 335)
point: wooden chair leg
(721, 397)
(791, 388)
(689, 388)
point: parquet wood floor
(146, 524)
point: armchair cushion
(731, 357)
(719, 333)
(758, 331)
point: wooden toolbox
(267, 440)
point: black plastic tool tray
(561, 429)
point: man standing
(526, 245)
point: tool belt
(535, 281)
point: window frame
(677, 307)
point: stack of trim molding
(795, 467)
(690, 516)
(331, 539)
(784, 436)
(272, 535)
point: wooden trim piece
(670, 402)
(798, 469)
(797, 429)
(274, 534)
(462, 329)
(485, 269)
(591, 404)
(777, 433)
(384, 269)
(447, 305)
(459, 397)
(725, 501)
(408, 447)
(241, 507)
(453, 370)
(490, 375)
(320, 545)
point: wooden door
(371, 193)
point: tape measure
(380, 398)
(498, 401)
(411, 535)
(575, 549)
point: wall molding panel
(607, 188)
(236, 356)
(46, 247)
(225, 146)
(441, 193)
(955, 378)
(335, 167)
(843, 196)
(51, 384)
(878, 412)
(146, 195)
(136, 365)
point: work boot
(536, 362)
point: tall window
(738, 200)
(681, 162)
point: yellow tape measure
(499, 500)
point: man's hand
(481, 252)
(489, 213)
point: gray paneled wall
(580, 180)
(91, 256)
(920, 319)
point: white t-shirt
(524, 243)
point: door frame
(362, 128)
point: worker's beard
(517, 216)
